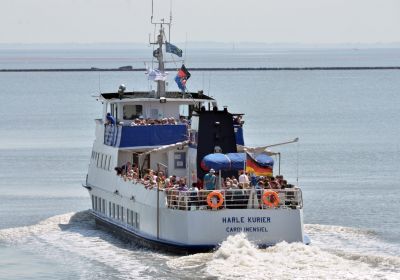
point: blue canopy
(237, 160)
(233, 161)
(216, 161)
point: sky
(265, 21)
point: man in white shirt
(243, 179)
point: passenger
(160, 182)
(200, 185)
(253, 180)
(126, 168)
(193, 196)
(118, 170)
(274, 185)
(167, 183)
(210, 180)
(135, 122)
(243, 179)
(182, 185)
(110, 120)
(173, 181)
(259, 188)
(146, 181)
(235, 184)
(171, 121)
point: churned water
(347, 163)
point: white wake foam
(72, 239)
(237, 257)
(336, 253)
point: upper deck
(167, 119)
(170, 95)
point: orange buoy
(211, 203)
(271, 199)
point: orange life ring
(220, 199)
(271, 199)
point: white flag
(156, 75)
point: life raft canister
(271, 199)
(211, 203)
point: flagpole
(283, 143)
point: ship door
(145, 164)
(135, 159)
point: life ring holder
(211, 203)
(274, 202)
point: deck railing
(234, 199)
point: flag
(182, 77)
(156, 75)
(252, 166)
(169, 48)
(156, 52)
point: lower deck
(186, 220)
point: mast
(159, 51)
(160, 58)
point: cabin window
(132, 112)
(109, 209)
(99, 204)
(184, 110)
(108, 163)
(113, 210)
(133, 219)
(92, 201)
(137, 220)
(95, 203)
(97, 159)
(104, 207)
(105, 162)
(122, 213)
(128, 216)
(118, 212)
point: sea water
(347, 163)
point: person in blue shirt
(253, 180)
(110, 119)
(209, 180)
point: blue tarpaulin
(216, 161)
(232, 161)
(237, 160)
(149, 135)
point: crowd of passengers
(110, 120)
(234, 188)
(151, 179)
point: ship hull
(148, 242)
(146, 217)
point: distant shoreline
(130, 69)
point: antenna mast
(158, 53)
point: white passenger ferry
(151, 147)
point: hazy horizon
(282, 22)
(200, 45)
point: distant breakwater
(129, 68)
